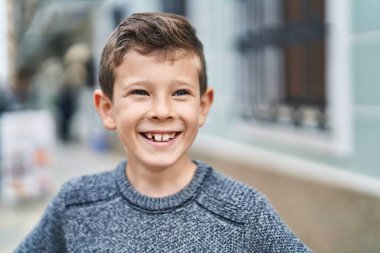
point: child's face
(157, 107)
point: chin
(161, 162)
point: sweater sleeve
(48, 235)
(266, 232)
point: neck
(160, 182)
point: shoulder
(232, 199)
(237, 202)
(88, 189)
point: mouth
(160, 137)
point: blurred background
(296, 113)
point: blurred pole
(4, 60)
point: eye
(139, 93)
(181, 93)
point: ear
(206, 102)
(103, 106)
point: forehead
(167, 57)
(159, 66)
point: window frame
(338, 140)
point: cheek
(190, 113)
(127, 115)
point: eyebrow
(141, 82)
(134, 82)
(185, 83)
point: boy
(154, 94)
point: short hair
(148, 33)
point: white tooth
(157, 137)
(165, 137)
(149, 135)
(172, 135)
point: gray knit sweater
(213, 213)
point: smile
(160, 137)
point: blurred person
(5, 100)
(77, 53)
(49, 78)
(77, 123)
(154, 94)
(67, 98)
(80, 53)
(21, 87)
(16, 95)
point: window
(174, 6)
(283, 48)
(294, 73)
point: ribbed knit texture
(213, 213)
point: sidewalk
(68, 161)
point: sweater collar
(162, 204)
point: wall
(354, 78)
(366, 85)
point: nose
(161, 109)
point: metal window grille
(283, 62)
